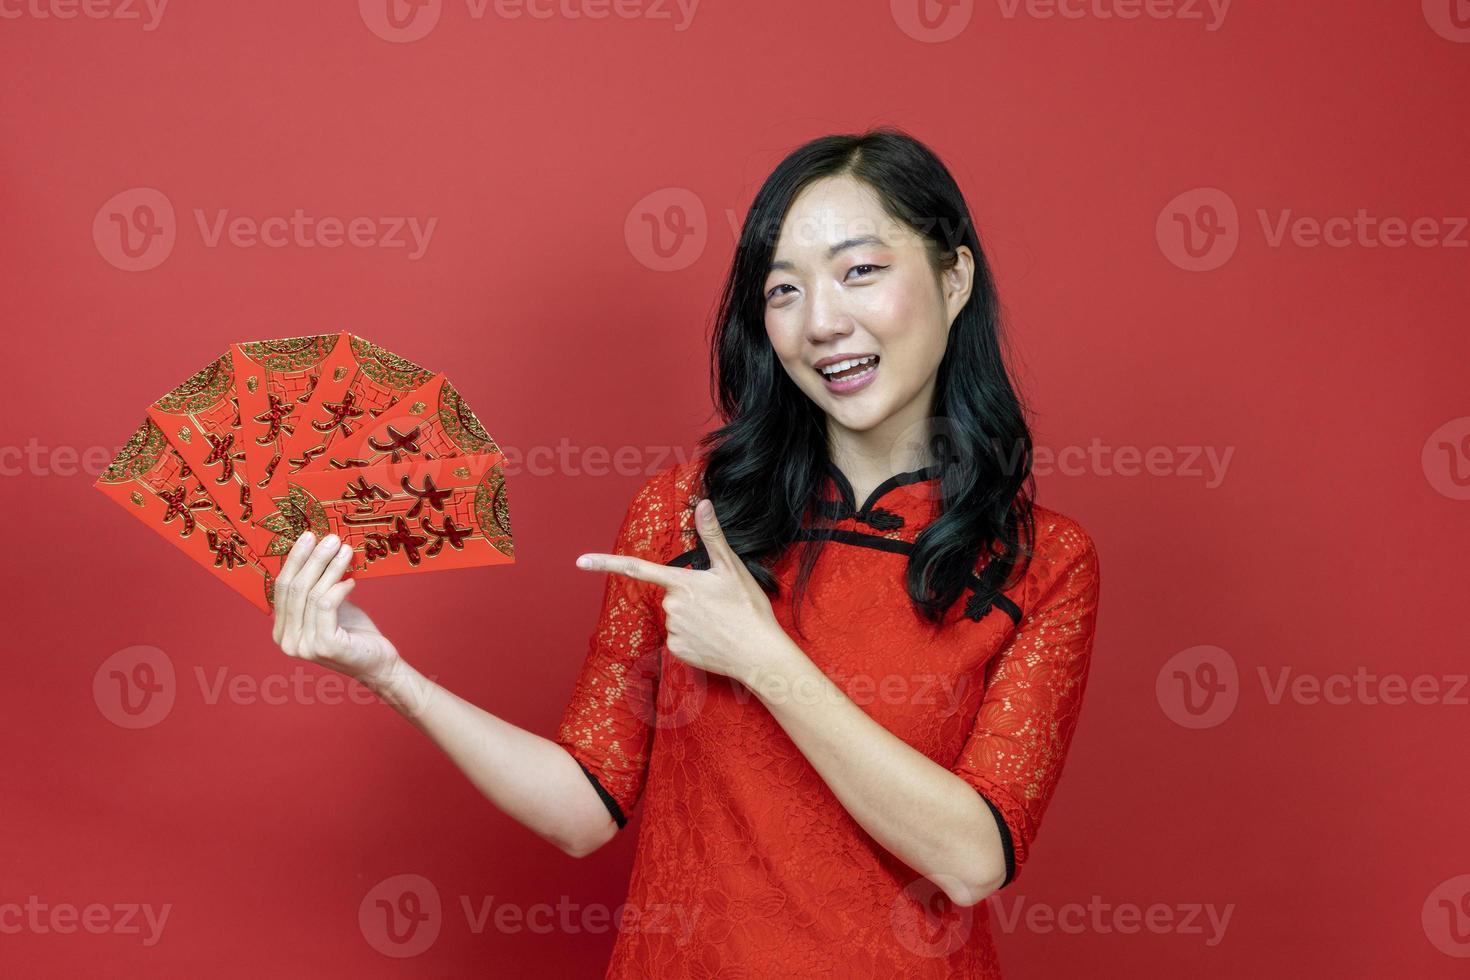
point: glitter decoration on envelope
(327, 433)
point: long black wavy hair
(765, 466)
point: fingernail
(330, 541)
(584, 562)
(305, 539)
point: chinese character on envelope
(330, 434)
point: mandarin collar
(903, 500)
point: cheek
(785, 339)
(893, 311)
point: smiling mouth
(852, 369)
(850, 378)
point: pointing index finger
(632, 567)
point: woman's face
(849, 281)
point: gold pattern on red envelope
(430, 422)
(151, 481)
(359, 380)
(446, 512)
(242, 457)
(202, 421)
(274, 382)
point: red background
(1334, 542)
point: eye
(866, 266)
(773, 294)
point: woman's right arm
(532, 779)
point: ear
(959, 280)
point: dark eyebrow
(840, 246)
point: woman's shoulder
(662, 509)
(1060, 533)
(1064, 556)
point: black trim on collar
(862, 539)
(695, 558)
(849, 500)
(879, 519)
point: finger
(301, 584)
(300, 548)
(324, 625)
(713, 535)
(329, 577)
(632, 567)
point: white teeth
(844, 365)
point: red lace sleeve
(1033, 695)
(608, 722)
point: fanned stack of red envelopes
(329, 434)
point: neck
(898, 444)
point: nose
(826, 318)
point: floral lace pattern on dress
(747, 865)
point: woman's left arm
(967, 828)
(922, 813)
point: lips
(848, 356)
(852, 369)
(858, 379)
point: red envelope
(274, 381)
(202, 421)
(151, 481)
(400, 517)
(326, 432)
(432, 421)
(359, 379)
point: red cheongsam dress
(747, 865)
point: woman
(844, 684)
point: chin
(858, 419)
(856, 413)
